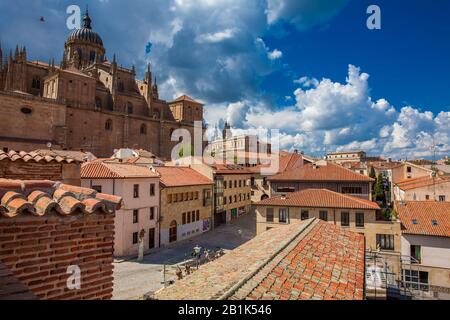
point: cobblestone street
(133, 279)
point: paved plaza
(133, 279)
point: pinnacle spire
(87, 19)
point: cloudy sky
(310, 68)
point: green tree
(379, 189)
(372, 174)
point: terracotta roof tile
(319, 198)
(424, 217)
(327, 172)
(44, 197)
(181, 176)
(230, 169)
(421, 182)
(287, 161)
(308, 259)
(107, 170)
(33, 157)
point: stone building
(321, 175)
(352, 213)
(87, 102)
(186, 203)
(425, 247)
(426, 188)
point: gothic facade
(87, 102)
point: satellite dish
(49, 145)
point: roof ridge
(276, 255)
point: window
(359, 219)
(231, 200)
(441, 198)
(108, 125)
(408, 169)
(305, 215)
(152, 213)
(135, 216)
(193, 216)
(282, 215)
(345, 219)
(129, 107)
(225, 200)
(198, 215)
(191, 196)
(385, 242)
(417, 280)
(188, 217)
(92, 56)
(169, 198)
(235, 183)
(143, 129)
(323, 215)
(230, 184)
(240, 183)
(427, 197)
(352, 190)
(269, 215)
(152, 190)
(184, 218)
(97, 188)
(98, 103)
(135, 237)
(196, 195)
(136, 191)
(416, 254)
(252, 181)
(36, 83)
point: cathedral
(86, 103)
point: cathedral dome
(85, 33)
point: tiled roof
(43, 197)
(34, 157)
(107, 170)
(380, 165)
(79, 156)
(319, 198)
(308, 259)
(230, 169)
(186, 98)
(327, 172)
(421, 182)
(181, 176)
(424, 217)
(11, 288)
(287, 161)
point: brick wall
(38, 250)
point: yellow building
(186, 203)
(352, 213)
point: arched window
(92, 56)
(108, 125)
(98, 103)
(129, 108)
(143, 129)
(36, 82)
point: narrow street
(133, 279)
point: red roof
(104, 170)
(224, 169)
(308, 259)
(328, 172)
(319, 198)
(428, 218)
(421, 182)
(287, 161)
(181, 176)
(43, 197)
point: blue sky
(310, 68)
